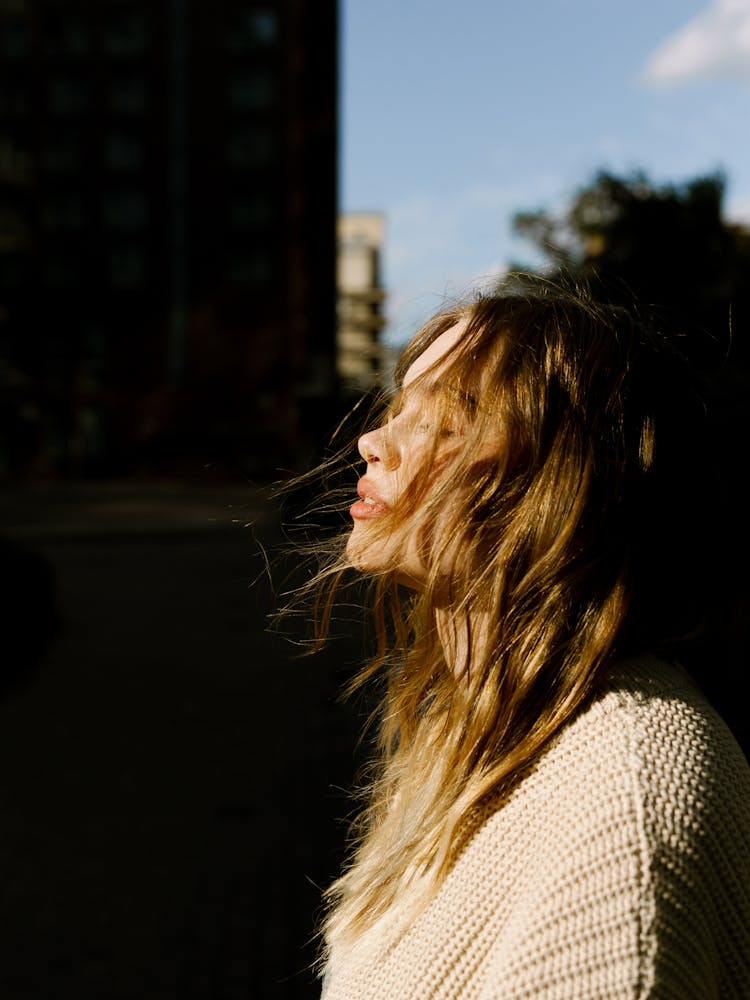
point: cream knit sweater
(619, 867)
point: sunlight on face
(396, 453)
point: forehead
(431, 357)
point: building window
(125, 210)
(123, 151)
(12, 272)
(14, 230)
(14, 100)
(251, 91)
(253, 29)
(69, 96)
(250, 269)
(127, 96)
(15, 39)
(249, 211)
(62, 155)
(63, 213)
(126, 267)
(67, 35)
(127, 33)
(250, 148)
(15, 163)
(62, 268)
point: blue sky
(456, 114)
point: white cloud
(714, 45)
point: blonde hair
(545, 553)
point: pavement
(172, 772)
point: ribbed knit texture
(619, 868)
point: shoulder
(684, 767)
(650, 723)
(640, 815)
(651, 756)
(647, 750)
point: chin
(369, 550)
(357, 552)
(370, 555)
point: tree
(667, 247)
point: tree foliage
(667, 247)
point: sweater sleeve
(641, 889)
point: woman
(557, 811)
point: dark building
(167, 233)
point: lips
(370, 504)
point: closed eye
(431, 428)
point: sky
(456, 114)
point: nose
(379, 446)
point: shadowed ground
(170, 789)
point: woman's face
(395, 454)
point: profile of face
(396, 454)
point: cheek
(418, 476)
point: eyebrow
(466, 398)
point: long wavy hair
(551, 545)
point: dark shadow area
(174, 775)
(172, 772)
(29, 613)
